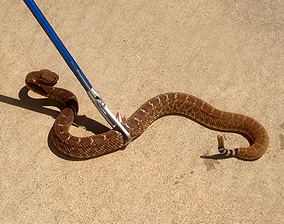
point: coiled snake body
(42, 82)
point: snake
(43, 81)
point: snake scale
(43, 81)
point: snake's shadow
(39, 105)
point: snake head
(43, 76)
(38, 81)
(47, 77)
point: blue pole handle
(94, 96)
(58, 44)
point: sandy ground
(229, 53)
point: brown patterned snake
(42, 82)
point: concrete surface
(229, 53)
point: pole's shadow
(39, 105)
